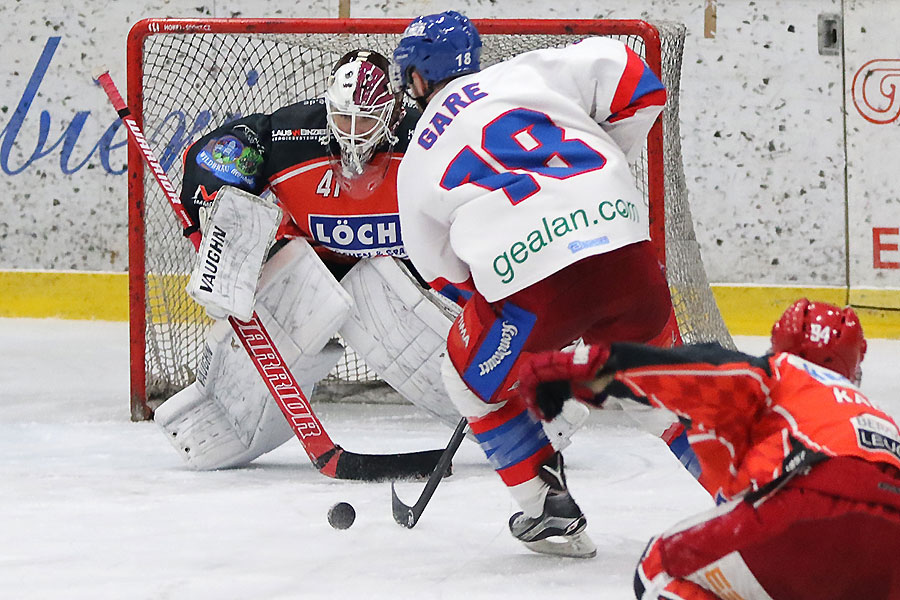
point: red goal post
(186, 76)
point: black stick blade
(403, 514)
(383, 467)
(408, 516)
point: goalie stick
(408, 516)
(329, 458)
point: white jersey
(519, 170)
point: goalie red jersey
(289, 153)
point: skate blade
(571, 546)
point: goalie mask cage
(187, 76)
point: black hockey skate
(560, 528)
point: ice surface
(93, 506)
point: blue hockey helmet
(438, 46)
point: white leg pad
(302, 296)
(227, 417)
(400, 331)
(235, 420)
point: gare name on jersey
(454, 103)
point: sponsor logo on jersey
(463, 334)
(225, 150)
(251, 136)
(507, 332)
(230, 160)
(877, 434)
(560, 229)
(303, 133)
(819, 373)
(203, 198)
(497, 353)
(579, 245)
(359, 235)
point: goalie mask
(363, 109)
(822, 334)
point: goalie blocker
(238, 232)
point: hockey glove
(236, 239)
(548, 379)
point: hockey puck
(341, 515)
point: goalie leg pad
(198, 428)
(298, 292)
(400, 331)
(227, 417)
(233, 419)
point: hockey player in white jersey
(515, 192)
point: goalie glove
(548, 379)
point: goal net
(186, 77)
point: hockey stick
(329, 458)
(408, 516)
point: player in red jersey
(808, 466)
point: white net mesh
(193, 82)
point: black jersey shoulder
(626, 355)
(302, 121)
(299, 134)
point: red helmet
(822, 334)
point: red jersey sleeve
(752, 420)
